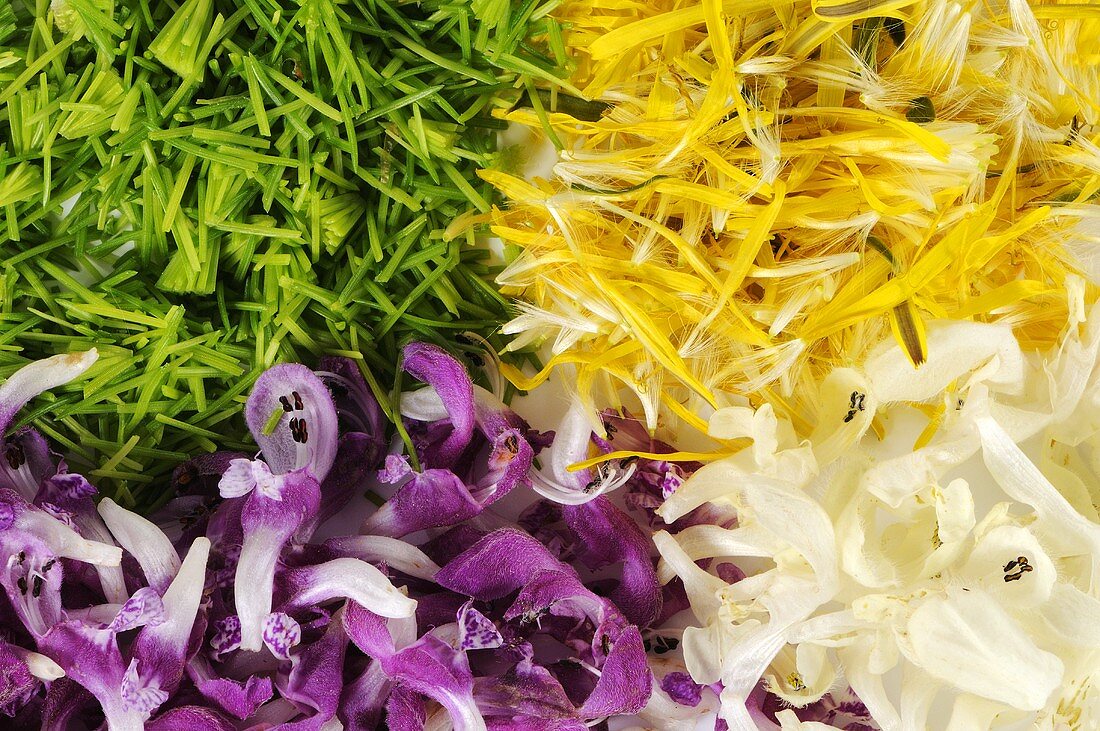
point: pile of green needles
(203, 189)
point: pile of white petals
(879, 554)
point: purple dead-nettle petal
(671, 479)
(305, 435)
(405, 710)
(364, 699)
(68, 497)
(62, 540)
(397, 469)
(433, 668)
(355, 463)
(144, 607)
(559, 593)
(497, 565)
(144, 541)
(510, 462)
(60, 514)
(526, 697)
(32, 580)
(281, 634)
(70, 486)
(476, 631)
(431, 499)
(374, 635)
(572, 439)
(17, 683)
(227, 636)
(356, 406)
(91, 658)
(625, 681)
(268, 526)
(346, 578)
(449, 379)
(682, 689)
(606, 536)
(237, 699)
(397, 554)
(317, 677)
(245, 475)
(25, 461)
(190, 718)
(162, 647)
(34, 378)
(138, 697)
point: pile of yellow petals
(775, 186)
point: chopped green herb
(202, 188)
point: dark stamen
(286, 403)
(37, 590)
(298, 405)
(22, 584)
(1021, 565)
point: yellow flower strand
(776, 186)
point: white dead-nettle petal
(1010, 564)
(988, 353)
(967, 640)
(997, 609)
(801, 674)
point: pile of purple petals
(239, 607)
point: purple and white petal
(144, 541)
(281, 634)
(34, 378)
(227, 636)
(91, 658)
(162, 647)
(304, 437)
(61, 539)
(476, 631)
(497, 565)
(397, 554)
(346, 578)
(238, 479)
(449, 379)
(137, 696)
(190, 718)
(433, 668)
(625, 680)
(144, 607)
(268, 526)
(431, 499)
